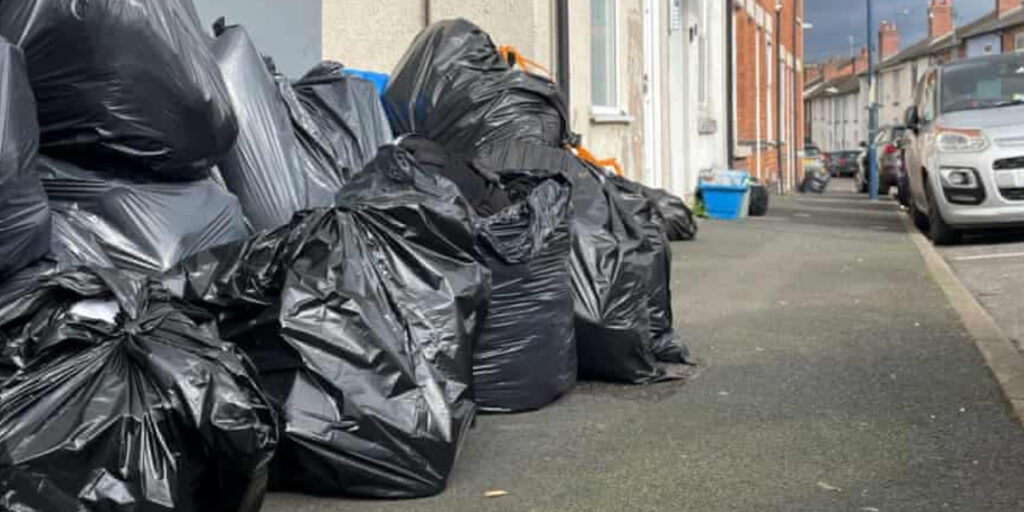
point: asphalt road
(836, 378)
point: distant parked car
(843, 164)
(965, 147)
(889, 155)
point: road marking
(1001, 356)
(992, 256)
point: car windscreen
(983, 83)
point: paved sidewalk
(837, 378)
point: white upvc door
(652, 94)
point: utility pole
(872, 111)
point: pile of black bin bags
(216, 281)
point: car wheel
(940, 232)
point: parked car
(843, 164)
(814, 159)
(965, 147)
(889, 156)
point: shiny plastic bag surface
(665, 341)
(611, 267)
(347, 112)
(361, 319)
(24, 214)
(122, 404)
(145, 227)
(526, 356)
(265, 169)
(454, 87)
(125, 81)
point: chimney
(831, 69)
(861, 64)
(811, 73)
(1005, 6)
(940, 18)
(888, 40)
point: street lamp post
(872, 112)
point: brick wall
(1010, 38)
(757, 85)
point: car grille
(1009, 163)
(1012, 194)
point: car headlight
(957, 140)
(959, 178)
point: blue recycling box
(723, 194)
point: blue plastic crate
(723, 201)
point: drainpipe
(730, 80)
(797, 87)
(562, 14)
(757, 96)
(778, 95)
(426, 13)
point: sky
(836, 20)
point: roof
(980, 26)
(992, 23)
(836, 87)
(918, 49)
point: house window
(988, 49)
(1018, 42)
(603, 54)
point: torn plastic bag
(125, 82)
(361, 320)
(24, 214)
(665, 341)
(267, 168)
(678, 219)
(123, 404)
(348, 112)
(454, 87)
(145, 227)
(610, 267)
(526, 357)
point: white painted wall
(977, 46)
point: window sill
(600, 115)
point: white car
(965, 147)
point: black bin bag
(145, 227)
(125, 81)
(665, 341)
(610, 268)
(347, 112)
(526, 356)
(677, 218)
(454, 87)
(267, 168)
(24, 214)
(121, 403)
(361, 320)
